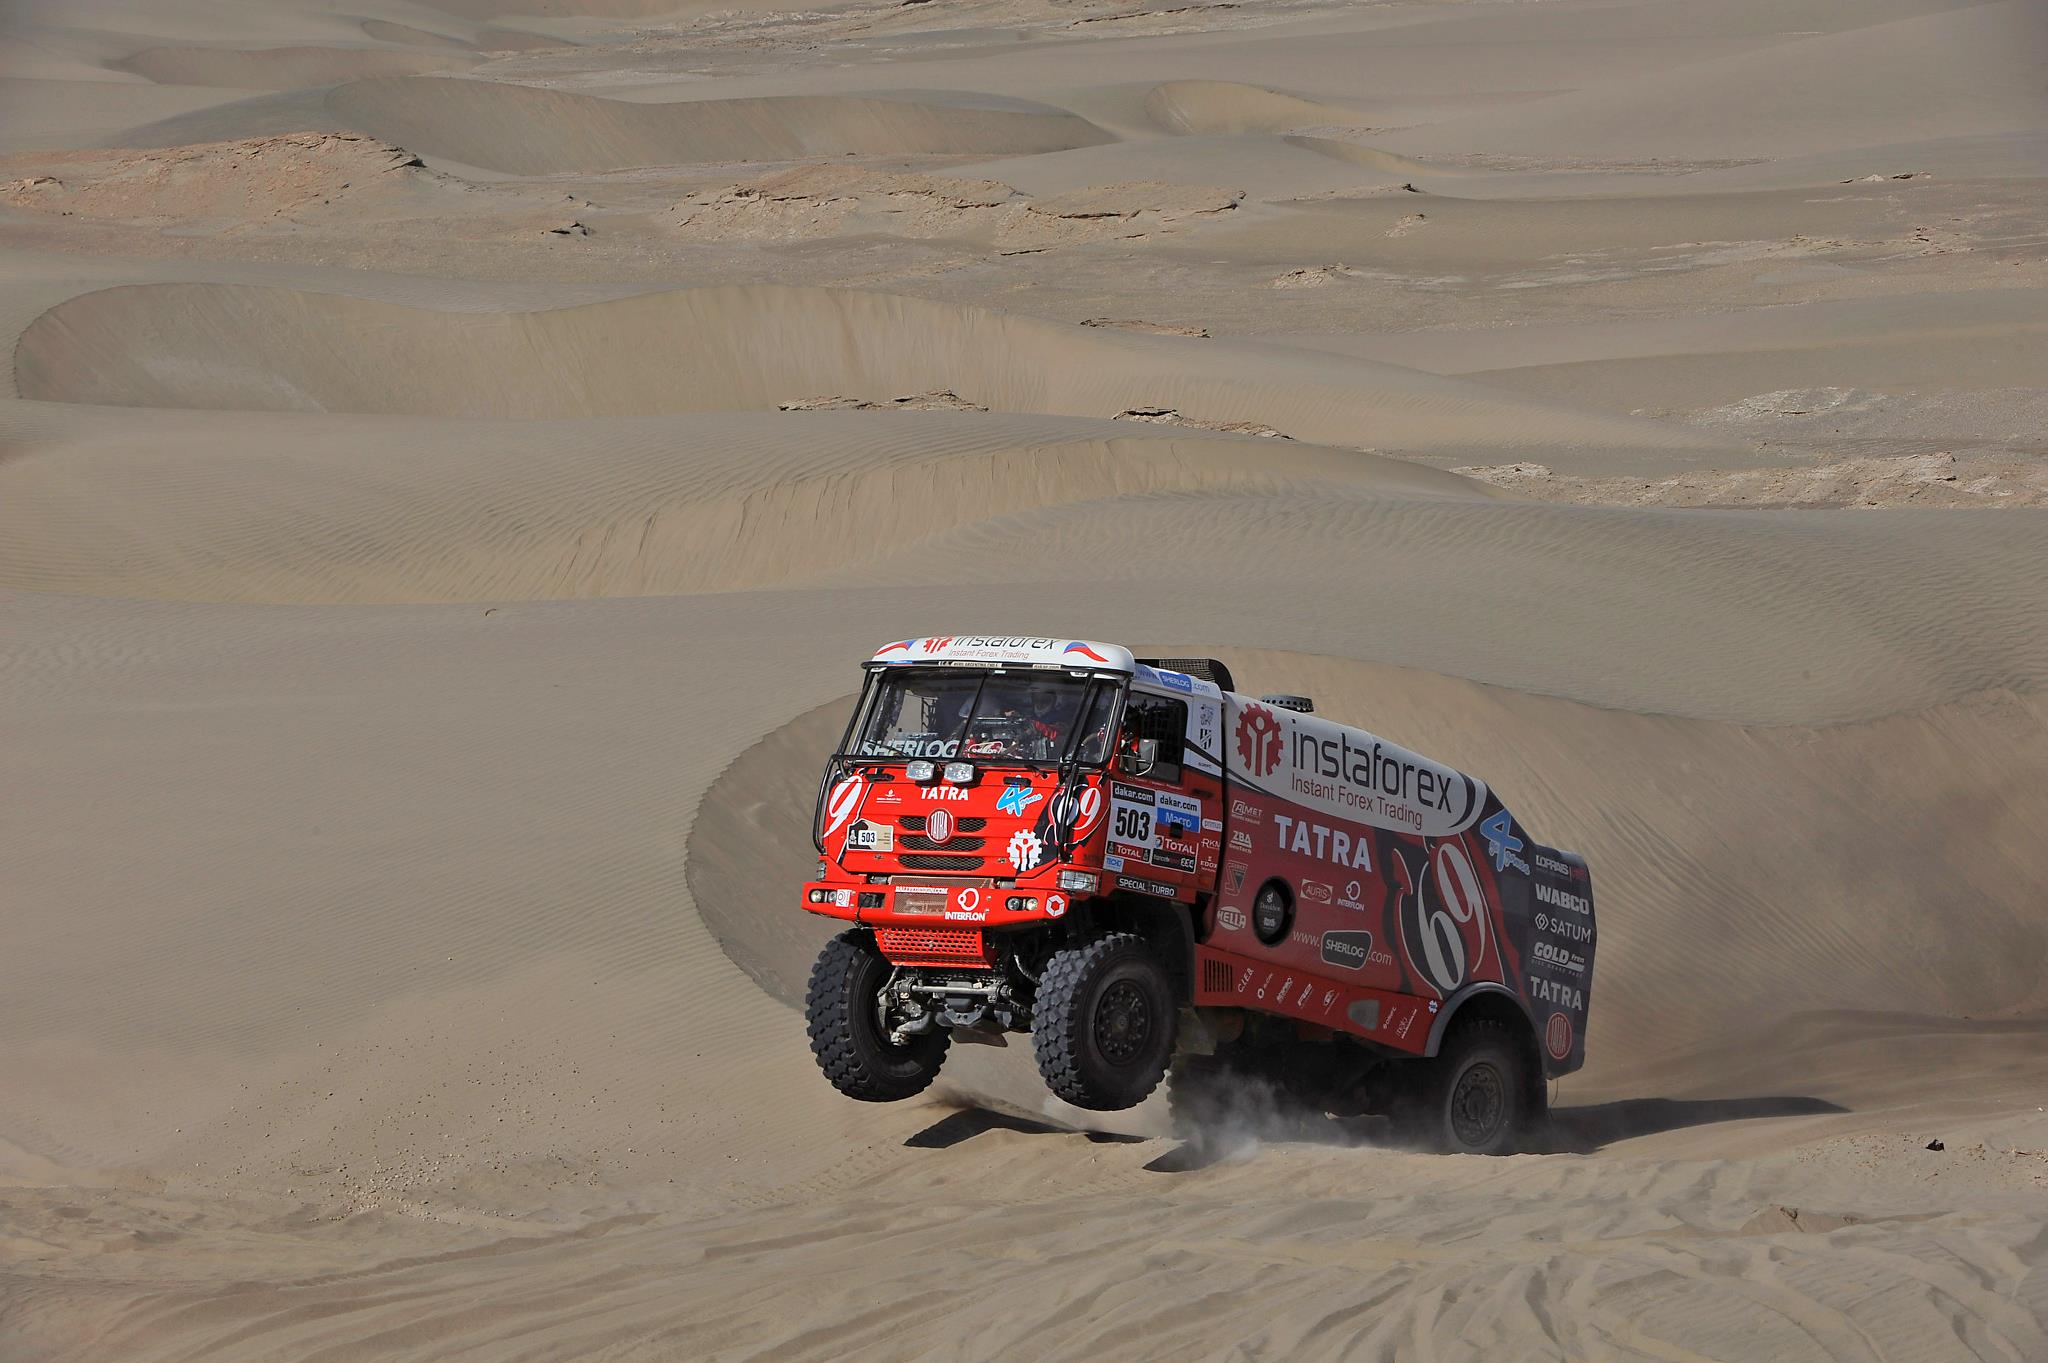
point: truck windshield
(985, 716)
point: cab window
(1162, 720)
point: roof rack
(1208, 669)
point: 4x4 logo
(1258, 740)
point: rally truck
(1158, 878)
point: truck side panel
(1408, 885)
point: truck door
(1165, 820)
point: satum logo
(1258, 740)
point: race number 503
(1132, 824)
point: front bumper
(934, 902)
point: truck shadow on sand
(1571, 1131)
(1583, 1130)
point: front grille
(914, 823)
(933, 946)
(930, 862)
(918, 843)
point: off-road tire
(1475, 1098)
(846, 1032)
(1104, 1023)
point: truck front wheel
(853, 1048)
(1104, 1022)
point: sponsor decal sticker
(1551, 954)
(1142, 886)
(1502, 844)
(1443, 915)
(968, 899)
(1077, 646)
(1025, 849)
(1308, 839)
(1348, 949)
(1017, 799)
(1351, 898)
(1233, 876)
(840, 804)
(1055, 906)
(1258, 740)
(1178, 813)
(1112, 863)
(1315, 891)
(870, 837)
(1245, 812)
(1563, 995)
(1240, 841)
(1212, 825)
(1557, 1036)
(1229, 919)
(942, 794)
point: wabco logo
(1563, 899)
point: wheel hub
(1478, 1105)
(1122, 1022)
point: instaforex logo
(1258, 740)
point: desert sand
(454, 455)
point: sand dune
(279, 68)
(1958, 72)
(233, 183)
(733, 349)
(523, 130)
(543, 510)
(1212, 107)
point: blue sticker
(1502, 844)
(1017, 799)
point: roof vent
(1208, 669)
(1301, 703)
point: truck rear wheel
(1475, 1098)
(853, 1048)
(1104, 1023)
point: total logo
(1258, 740)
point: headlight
(959, 773)
(919, 771)
(1019, 903)
(1082, 881)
